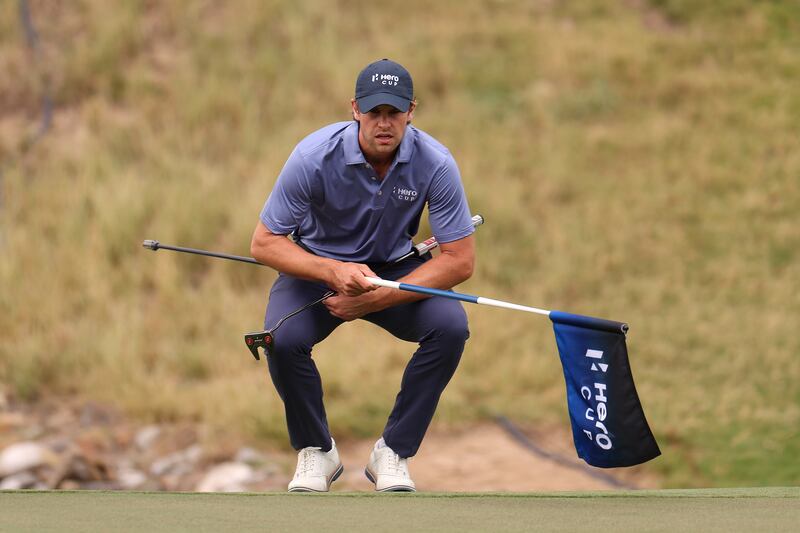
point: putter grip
(429, 244)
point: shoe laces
(395, 464)
(307, 460)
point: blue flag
(608, 424)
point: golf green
(762, 509)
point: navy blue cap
(384, 82)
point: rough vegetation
(635, 160)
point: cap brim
(372, 101)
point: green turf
(760, 509)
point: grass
(634, 160)
(773, 509)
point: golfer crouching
(352, 194)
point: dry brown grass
(633, 170)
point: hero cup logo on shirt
(386, 79)
(407, 195)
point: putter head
(263, 339)
(149, 243)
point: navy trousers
(439, 325)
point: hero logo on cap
(386, 79)
(384, 82)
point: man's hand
(351, 307)
(348, 279)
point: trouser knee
(452, 327)
(288, 343)
(450, 334)
(456, 331)
(288, 355)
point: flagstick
(455, 296)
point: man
(352, 194)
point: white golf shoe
(316, 470)
(388, 470)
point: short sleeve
(450, 217)
(288, 203)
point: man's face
(381, 129)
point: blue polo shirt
(334, 203)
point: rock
(95, 415)
(80, 468)
(56, 476)
(21, 480)
(60, 444)
(265, 467)
(32, 431)
(86, 469)
(54, 420)
(178, 463)
(100, 485)
(226, 477)
(146, 436)
(249, 456)
(130, 478)
(121, 437)
(10, 421)
(24, 456)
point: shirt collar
(354, 156)
(352, 151)
(406, 145)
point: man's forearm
(278, 252)
(444, 271)
(284, 256)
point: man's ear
(411, 109)
(356, 112)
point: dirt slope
(486, 458)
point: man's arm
(452, 266)
(280, 253)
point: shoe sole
(334, 478)
(393, 488)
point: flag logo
(609, 428)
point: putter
(609, 427)
(265, 339)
